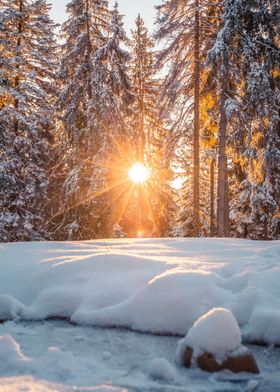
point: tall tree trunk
(223, 192)
(141, 152)
(196, 131)
(18, 50)
(89, 47)
(212, 198)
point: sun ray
(148, 203)
(89, 198)
(125, 204)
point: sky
(130, 8)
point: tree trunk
(89, 49)
(212, 198)
(196, 152)
(18, 50)
(223, 192)
(141, 152)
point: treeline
(198, 100)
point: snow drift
(151, 285)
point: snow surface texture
(161, 369)
(29, 384)
(215, 332)
(84, 356)
(152, 285)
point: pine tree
(94, 104)
(248, 49)
(83, 34)
(27, 67)
(187, 27)
(182, 83)
(112, 98)
(152, 201)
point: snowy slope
(159, 286)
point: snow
(26, 384)
(265, 326)
(215, 332)
(65, 357)
(9, 307)
(158, 286)
(252, 386)
(10, 353)
(127, 366)
(147, 285)
(161, 369)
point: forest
(106, 133)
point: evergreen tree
(112, 99)
(27, 68)
(188, 28)
(94, 104)
(182, 84)
(83, 34)
(247, 48)
(152, 201)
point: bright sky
(130, 8)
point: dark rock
(207, 362)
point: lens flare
(138, 173)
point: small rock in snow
(214, 344)
(216, 332)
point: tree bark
(89, 48)
(18, 50)
(223, 192)
(212, 198)
(196, 147)
(141, 152)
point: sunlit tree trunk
(212, 197)
(223, 192)
(89, 47)
(196, 149)
(18, 48)
(141, 141)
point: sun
(138, 173)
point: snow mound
(161, 369)
(149, 285)
(265, 326)
(169, 303)
(216, 333)
(10, 309)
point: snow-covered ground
(147, 285)
(59, 353)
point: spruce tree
(182, 84)
(27, 67)
(153, 199)
(83, 33)
(93, 104)
(247, 48)
(187, 28)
